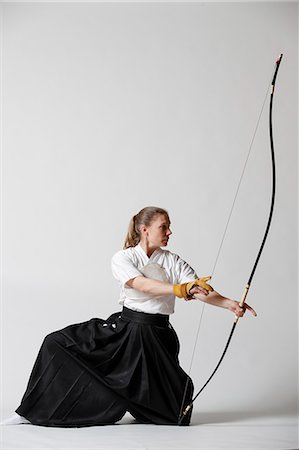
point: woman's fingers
(200, 290)
(240, 311)
(250, 309)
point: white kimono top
(162, 265)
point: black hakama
(91, 373)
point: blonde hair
(144, 217)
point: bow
(185, 409)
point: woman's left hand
(235, 307)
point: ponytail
(132, 237)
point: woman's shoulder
(175, 258)
(170, 255)
(124, 253)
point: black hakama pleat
(91, 373)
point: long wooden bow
(186, 408)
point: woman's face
(158, 232)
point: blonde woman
(93, 372)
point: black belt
(146, 318)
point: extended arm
(216, 299)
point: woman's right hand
(200, 286)
(187, 290)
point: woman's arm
(156, 287)
(149, 286)
(216, 299)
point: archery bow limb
(247, 287)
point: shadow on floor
(206, 418)
(217, 417)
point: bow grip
(241, 304)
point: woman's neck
(147, 248)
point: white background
(107, 108)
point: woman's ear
(143, 230)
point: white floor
(208, 431)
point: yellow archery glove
(183, 290)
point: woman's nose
(169, 232)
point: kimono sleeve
(123, 268)
(185, 273)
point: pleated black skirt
(92, 372)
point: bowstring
(222, 240)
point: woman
(91, 373)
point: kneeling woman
(91, 373)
